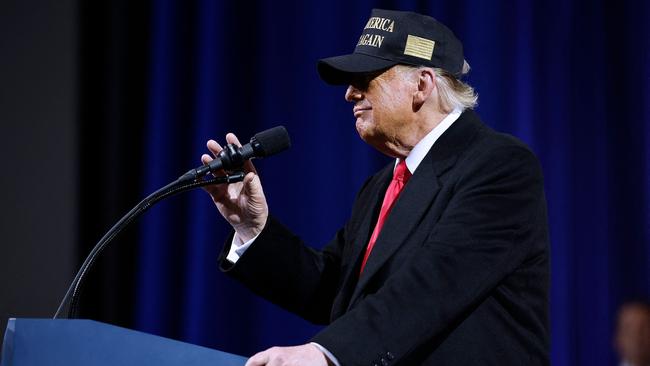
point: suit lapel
(371, 202)
(405, 216)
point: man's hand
(305, 355)
(242, 204)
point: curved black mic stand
(175, 187)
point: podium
(76, 342)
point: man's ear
(426, 83)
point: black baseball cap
(396, 37)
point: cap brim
(340, 70)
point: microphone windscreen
(271, 141)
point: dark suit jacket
(458, 276)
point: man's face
(383, 107)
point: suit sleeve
(280, 267)
(484, 234)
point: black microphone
(265, 143)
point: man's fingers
(259, 359)
(252, 184)
(231, 138)
(205, 159)
(214, 147)
(305, 355)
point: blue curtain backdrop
(570, 78)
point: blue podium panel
(76, 342)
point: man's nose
(353, 94)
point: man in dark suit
(444, 260)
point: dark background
(39, 195)
(102, 102)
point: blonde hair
(452, 92)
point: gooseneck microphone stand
(231, 159)
(183, 184)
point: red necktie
(401, 175)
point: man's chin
(365, 136)
(373, 140)
(364, 128)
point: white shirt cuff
(237, 248)
(327, 353)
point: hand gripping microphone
(265, 143)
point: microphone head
(271, 141)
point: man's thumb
(252, 185)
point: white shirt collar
(421, 149)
